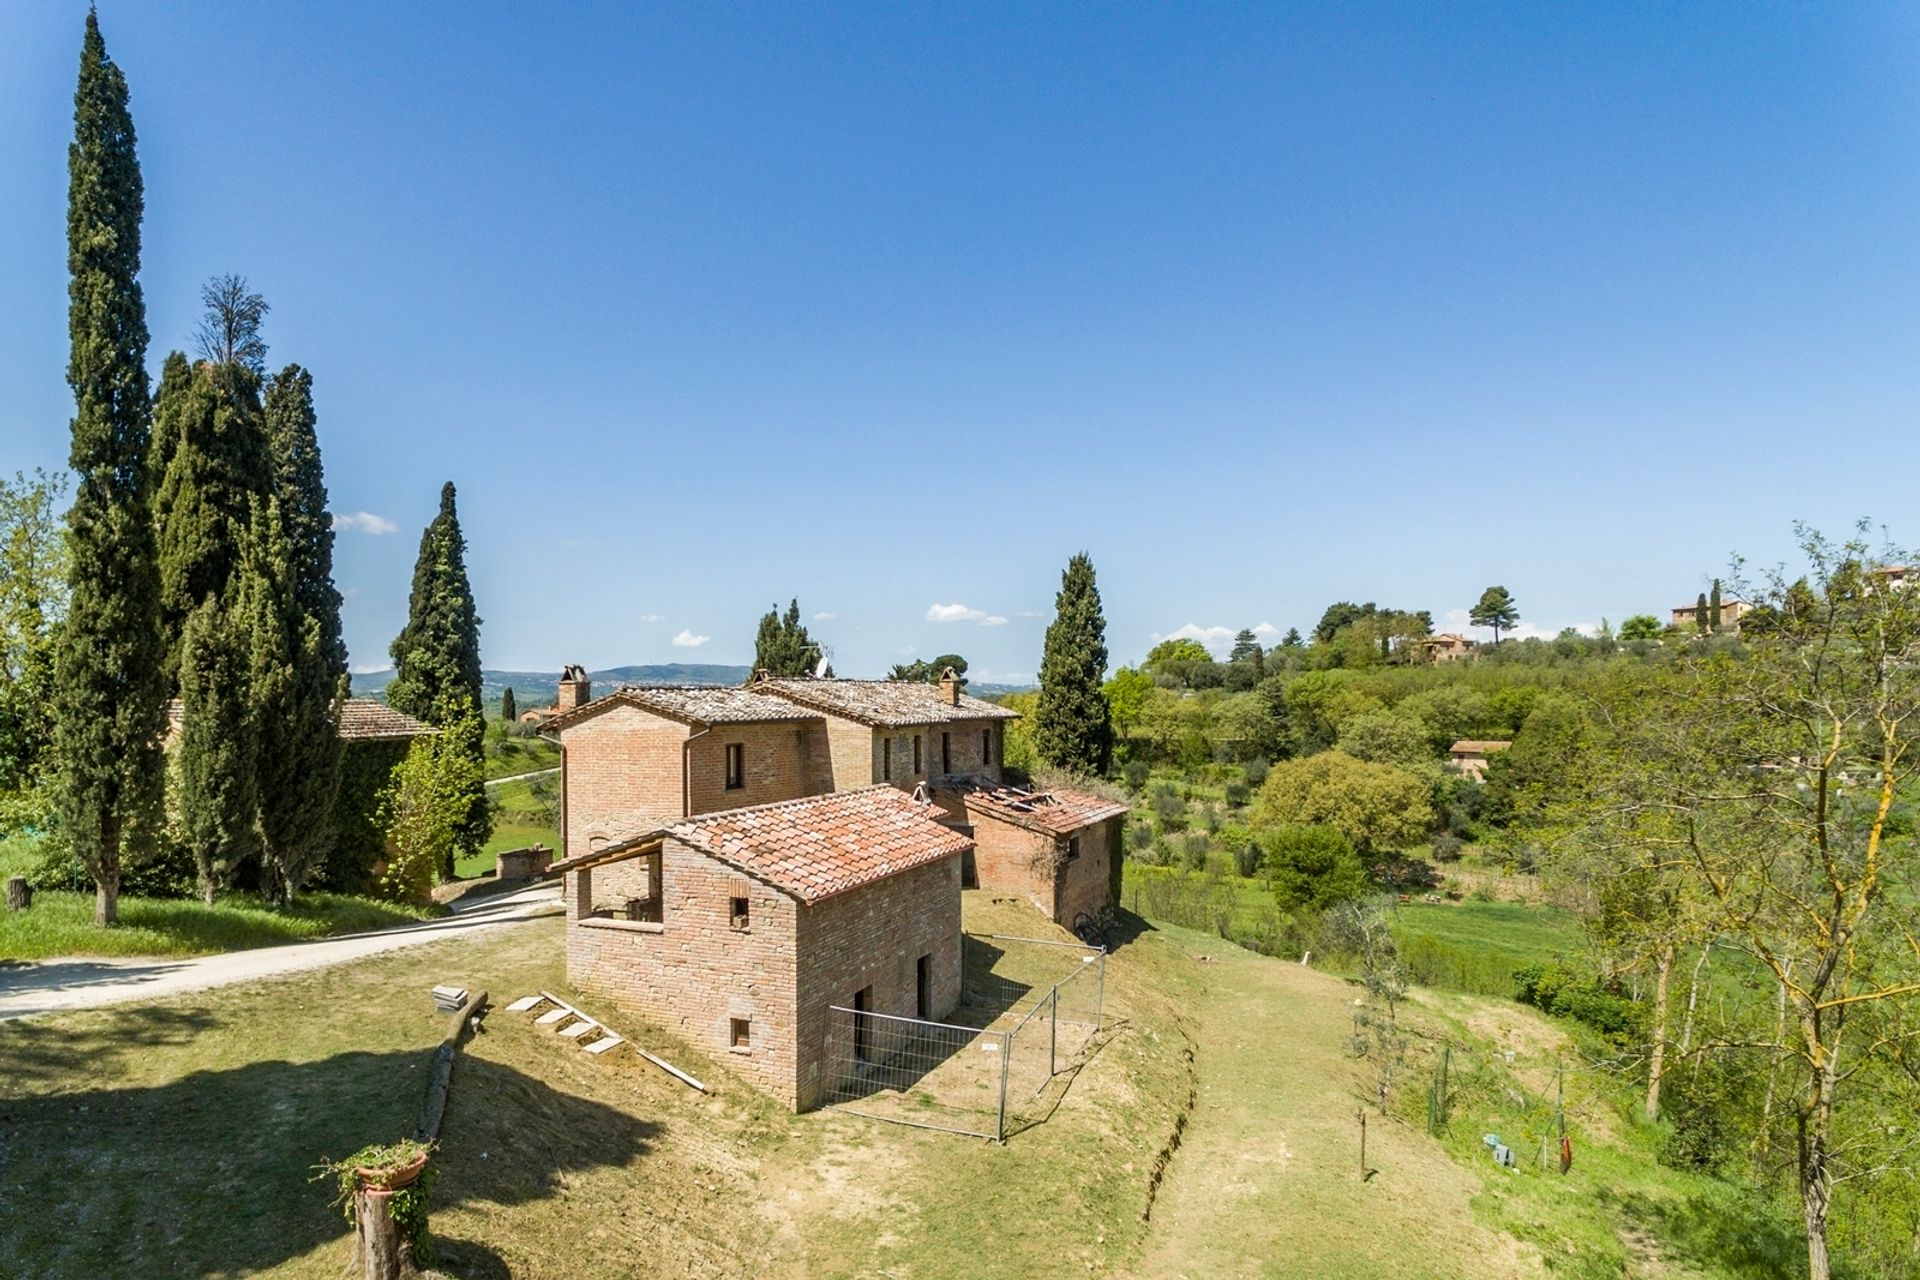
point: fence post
(1053, 1034)
(1100, 989)
(1006, 1051)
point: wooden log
(19, 893)
(440, 1074)
(382, 1251)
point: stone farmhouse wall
(627, 769)
(859, 752)
(874, 937)
(1034, 864)
(694, 973)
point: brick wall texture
(694, 973)
(1034, 864)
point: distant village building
(1445, 647)
(738, 860)
(741, 930)
(1731, 611)
(575, 691)
(1468, 757)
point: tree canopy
(782, 646)
(1072, 728)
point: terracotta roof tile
(1059, 811)
(700, 704)
(361, 720)
(885, 704)
(825, 845)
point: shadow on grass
(211, 1174)
(1733, 1234)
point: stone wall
(874, 937)
(694, 972)
(1010, 858)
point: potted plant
(389, 1175)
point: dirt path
(51, 986)
(1266, 1180)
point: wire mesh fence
(1029, 1011)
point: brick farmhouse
(739, 861)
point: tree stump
(383, 1253)
(19, 893)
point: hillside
(538, 688)
(1212, 1133)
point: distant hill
(539, 688)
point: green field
(61, 924)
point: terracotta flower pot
(392, 1178)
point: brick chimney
(950, 687)
(575, 689)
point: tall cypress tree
(1071, 727)
(299, 661)
(217, 469)
(436, 656)
(1713, 606)
(508, 711)
(218, 793)
(782, 646)
(1700, 618)
(111, 700)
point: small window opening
(946, 753)
(738, 912)
(1073, 848)
(862, 1026)
(736, 765)
(742, 1033)
(886, 759)
(923, 987)
(986, 746)
(916, 755)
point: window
(736, 765)
(886, 759)
(1073, 847)
(946, 753)
(986, 746)
(738, 913)
(742, 1037)
(916, 755)
(923, 986)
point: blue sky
(894, 308)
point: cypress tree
(436, 656)
(508, 711)
(1713, 606)
(217, 469)
(217, 794)
(1700, 618)
(782, 646)
(1071, 727)
(111, 706)
(292, 690)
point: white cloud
(651, 617)
(687, 640)
(363, 522)
(1266, 631)
(961, 613)
(825, 617)
(1217, 639)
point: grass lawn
(176, 1138)
(61, 924)
(519, 820)
(1476, 946)
(508, 756)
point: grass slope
(175, 1138)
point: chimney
(575, 689)
(950, 687)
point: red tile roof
(698, 704)
(1057, 812)
(361, 720)
(825, 845)
(885, 704)
(1476, 746)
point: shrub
(1194, 847)
(1167, 806)
(1312, 866)
(1238, 792)
(1240, 846)
(1446, 847)
(1556, 989)
(1134, 774)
